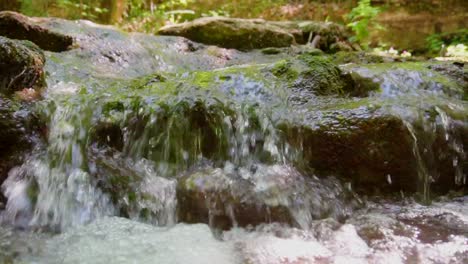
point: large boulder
(21, 65)
(17, 26)
(243, 34)
(247, 34)
(407, 136)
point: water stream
(201, 141)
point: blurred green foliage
(363, 19)
(149, 15)
(437, 42)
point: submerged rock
(262, 194)
(13, 137)
(248, 34)
(17, 26)
(21, 65)
(135, 189)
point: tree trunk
(12, 5)
(116, 10)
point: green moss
(113, 106)
(33, 191)
(359, 57)
(271, 51)
(132, 197)
(325, 75)
(284, 69)
(203, 79)
(145, 81)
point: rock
(16, 26)
(323, 77)
(262, 194)
(21, 65)
(375, 152)
(242, 34)
(330, 33)
(360, 148)
(247, 34)
(382, 146)
(135, 189)
(457, 71)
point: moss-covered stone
(270, 51)
(361, 57)
(321, 76)
(17, 26)
(284, 68)
(247, 34)
(243, 34)
(21, 65)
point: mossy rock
(21, 65)
(242, 34)
(16, 26)
(323, 77)
(360, 57)
(248, 34)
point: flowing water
(161, 131)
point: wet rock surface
(21, 65)
(17, 26)
(360, 147)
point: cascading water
(58, 177)
(158, 146)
